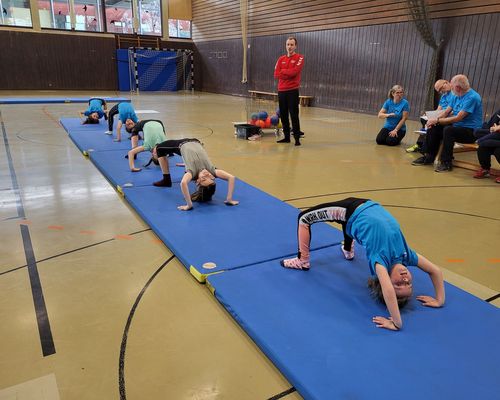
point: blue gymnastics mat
(115, 168)
(53, 100)
(92, 137)
(316, 328)
(260, 228)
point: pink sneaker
(482, 173)
(349, 255)
(295, 263)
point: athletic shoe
(349, 255)
(482, 173)
(295, 263)
(283, 141)
(497, 180)
(108, 132)
(413, 149)
(445, 166)
(424, 160)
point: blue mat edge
(59, 100)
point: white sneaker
(349, 255)
(108, 132)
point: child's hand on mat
(386, 323)
(231, 202)
(185, 208)
(135, 169)
(428, 301)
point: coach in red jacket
(287, 71)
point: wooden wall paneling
(219, 19)
(491, 78)
(180, 9)
(482, 60)
(353, 68)
(50, 61)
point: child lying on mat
(388, 254)
(95, 111)
(198, 168)
(154, 133)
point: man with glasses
(456, 124)
(443, 87)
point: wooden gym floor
(116, 327)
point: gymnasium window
(54, 14)
(119, 16)
(179, 28)
(88, 15)
(16, 13)
(150, 17)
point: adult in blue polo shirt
(395, 110)
(126, 115)
(457, 124)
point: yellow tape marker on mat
(200, 277)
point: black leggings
(289, 104)
(384, 138)
(484, 156)
(172, 146)
(336, 211)
(111, 116)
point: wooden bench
(304, 101)
(463, 148)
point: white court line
(146, 112)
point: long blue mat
(316, 327)
(53, 100)
(90, 138)
(260, 228)
(115, 168)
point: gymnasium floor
(118, 327)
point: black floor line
(430, 209)
(489, 300)
(13, 177)
(390, 189)
(283, 394)
(71, 251)
(123, 347)
(42, 318)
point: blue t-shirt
(446, 99)
(95, 106)
(396, 108)
(379, 233)
(471, 103)
(126, 111)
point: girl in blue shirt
(395, 110)
(387, 252)
(126, 116)
(95, 111)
